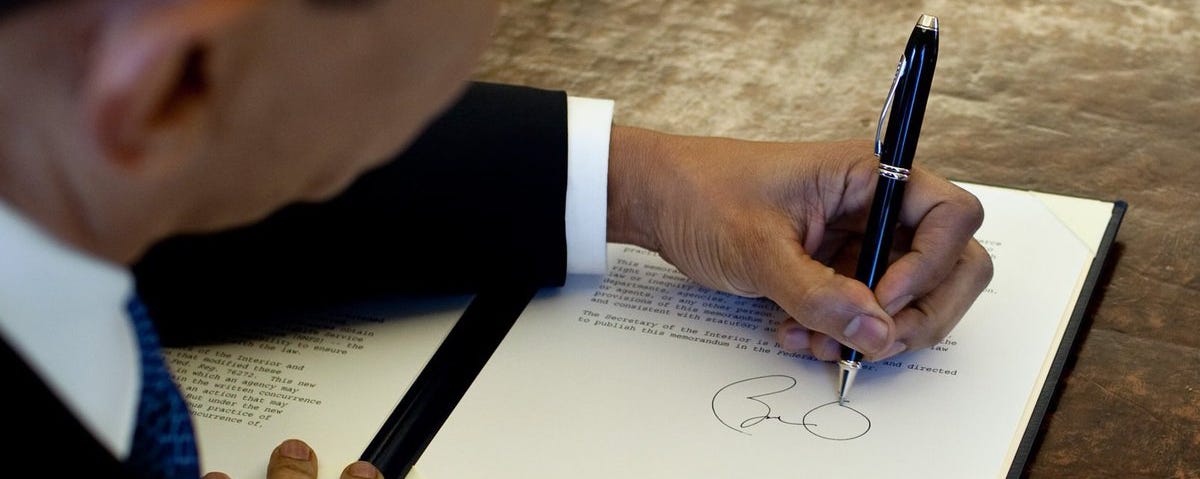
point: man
(126, 122)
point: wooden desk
(1095, 99)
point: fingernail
(896, 348)
(293, 449)
(897, 304)
(795, 339)
(867, 333)
(364, 470)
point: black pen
(895, 146)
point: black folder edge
(445, 379)
(470, 344)
(1067, 348)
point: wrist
(633, 155)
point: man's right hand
(785, 221)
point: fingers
(938, 221)
(823, 301)
(943, 218)
(361, 470)
(794, 337)
(292, 459)
(924, 322)
(824, 347)
(931, 317)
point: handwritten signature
(743, 404)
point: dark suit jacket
(478, 199)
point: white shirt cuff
(589, 124)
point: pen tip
(928, 22)
(846, 372)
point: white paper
(650, 375)
(330, 379)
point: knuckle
(987, 270)
(973, 212)
(855, 157)
(980, 264)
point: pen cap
(911, 92)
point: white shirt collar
(63, 312)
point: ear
(147, 93)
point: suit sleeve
(477, 200)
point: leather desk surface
(1097, 99)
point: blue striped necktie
(164, 445)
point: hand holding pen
(938, 268)
(785, 221)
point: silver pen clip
(887, 106)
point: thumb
(292, 459)
(822, 300)
(361, 470)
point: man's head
(122, 121)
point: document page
(643, 373)
(328, 378)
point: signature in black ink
(746, 400)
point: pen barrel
(896, 152)
(876, 250)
